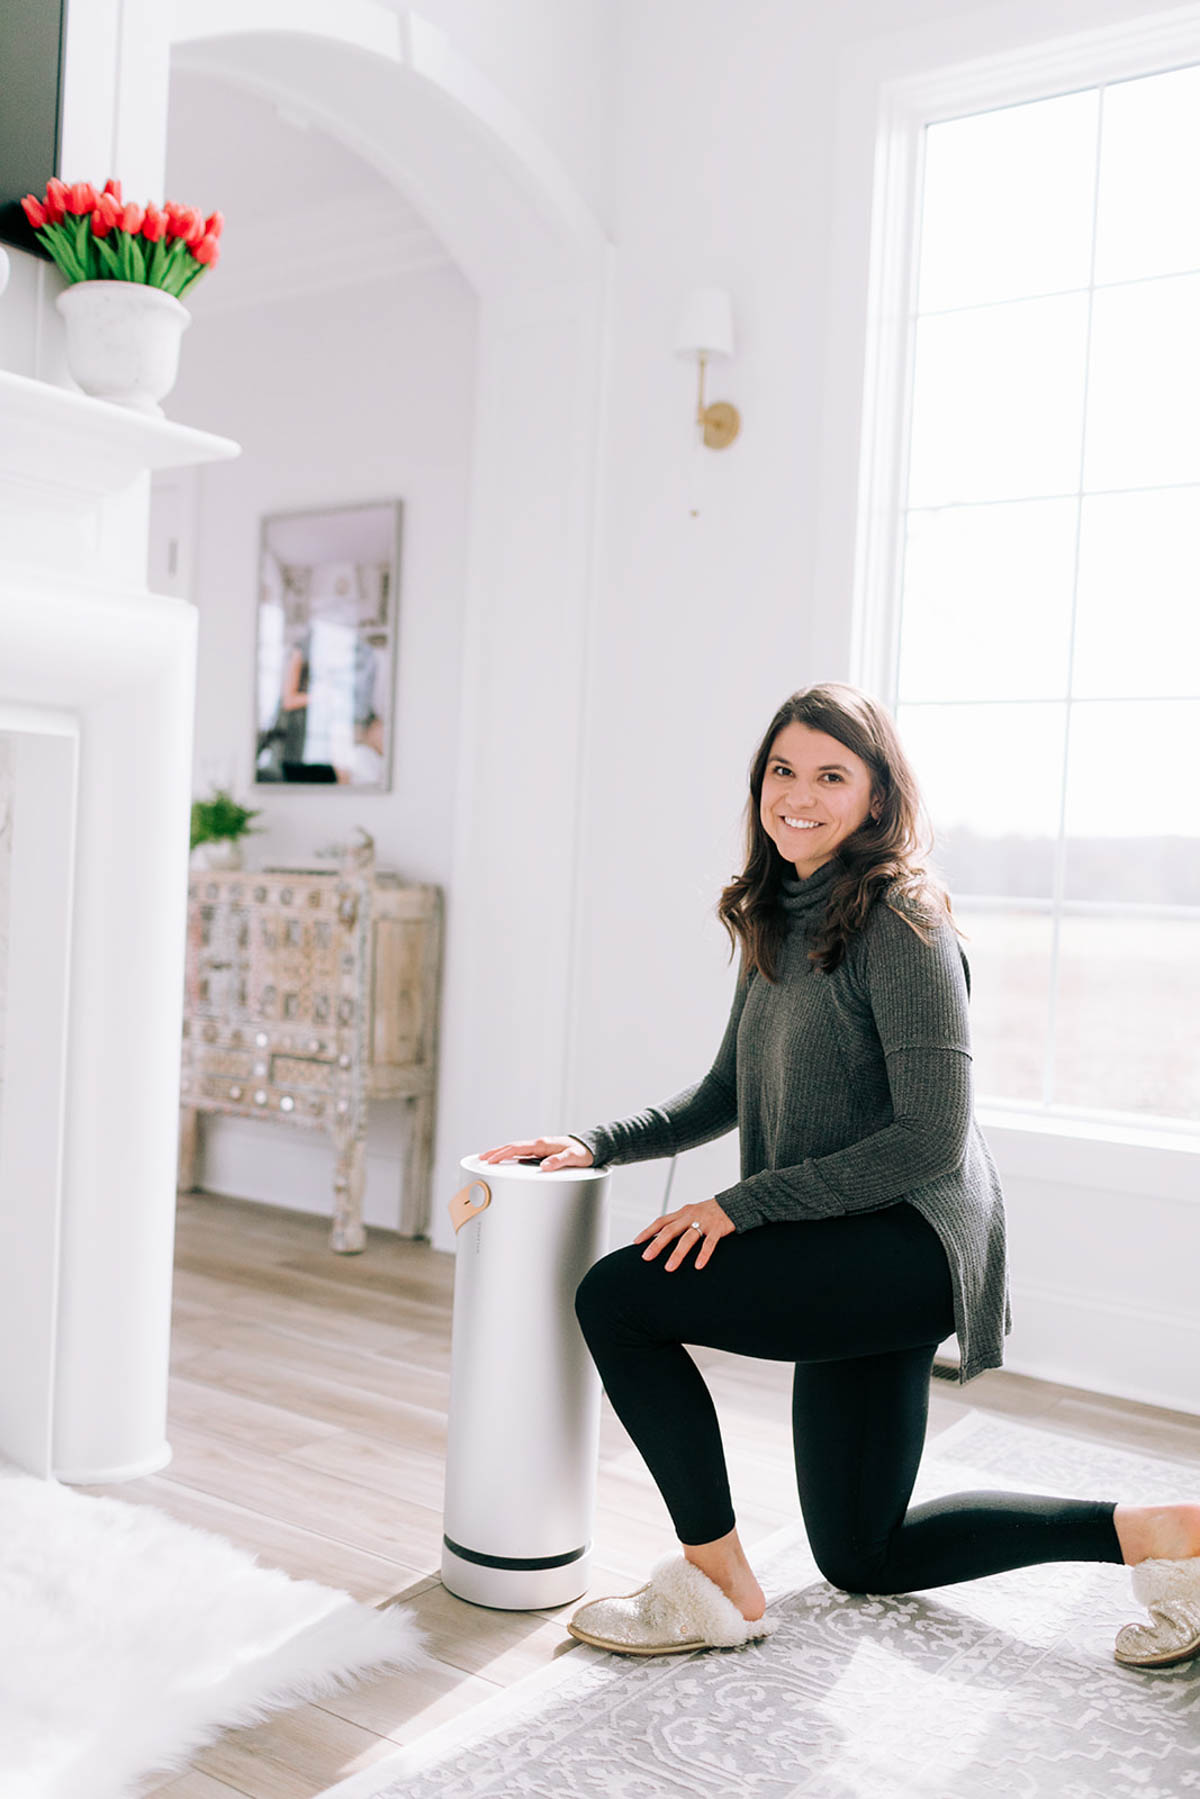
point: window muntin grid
(1048, 651)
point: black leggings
(860, 1304)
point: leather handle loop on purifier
(461, 1209)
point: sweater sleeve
(705, 1110)
(918, 997)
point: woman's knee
(851, 1578)
(853, 1570)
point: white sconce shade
(706, 326)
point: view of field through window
(1048, 687)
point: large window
(1047, 676)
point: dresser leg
(186, 1178)
(349, 1177)
(418, 1166)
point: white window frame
(889, 91)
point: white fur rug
(128, 1641)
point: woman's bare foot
(724, 1561)
(1169, 1531)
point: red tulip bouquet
(100, 237)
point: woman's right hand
(559, 1152)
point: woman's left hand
(714, 1224)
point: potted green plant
(126, 267)
(219, 824)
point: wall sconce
(705, 330)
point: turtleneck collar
(802, 900)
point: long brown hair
(886, 852)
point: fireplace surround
(96, 701)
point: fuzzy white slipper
(1170, 1591)
(678, 1609)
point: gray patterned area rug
(1001, 1688)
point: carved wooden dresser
(308, 993)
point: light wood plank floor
(308, 1421)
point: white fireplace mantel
(49, 432)
(73, 476)
(97, 682)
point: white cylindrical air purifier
(523, 1440)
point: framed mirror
(328, 589)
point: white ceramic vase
(221, 852)
(123, 340)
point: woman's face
(815, 794)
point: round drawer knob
(286, 1103)
(235, 1093)
(260, 1098)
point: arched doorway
(395, 90)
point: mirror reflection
(326, 632)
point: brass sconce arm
(719, 422)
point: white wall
(722, 175)
(356, 394)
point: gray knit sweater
(851, 1091)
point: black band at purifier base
(510, 1561)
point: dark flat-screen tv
(31, 65)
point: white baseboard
(1104, 1346)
